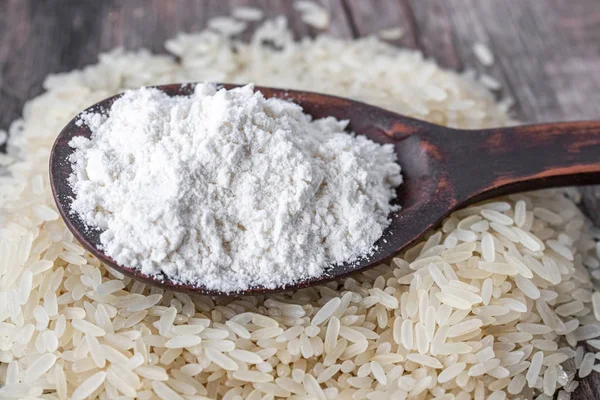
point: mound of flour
(228, 189)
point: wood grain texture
(547, 51)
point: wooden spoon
(443, 169)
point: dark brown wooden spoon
(443, 169)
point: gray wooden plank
(371, 17)
(454, 29)
(546, 54)
(572, 46)
(340, 24)
(136, 24)
(438, 38)
(43, 38)
(13, 39)
(431, 27)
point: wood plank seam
(413, 25)
(350, 19)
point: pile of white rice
(490, 306)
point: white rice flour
(228, 189)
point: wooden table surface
(547, 51)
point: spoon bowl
(443, 169)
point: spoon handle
(492, 162)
